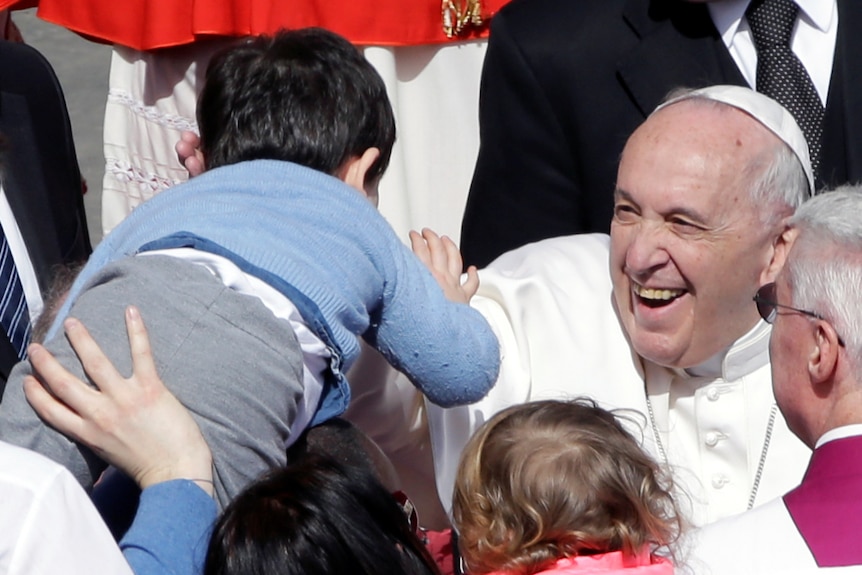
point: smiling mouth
(656, 297)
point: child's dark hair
(316, 517)
(304, 96)
(552, 479)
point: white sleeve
(550, 306)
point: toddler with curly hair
(557, 487)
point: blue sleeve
(447, 349)
(171, 530)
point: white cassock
(762, 541)
(550, 304)
(769, 540)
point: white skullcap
(762, 108)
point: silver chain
(772, 413)
(760, 465)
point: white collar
(728, 15)
(839, 433)
(745, 355)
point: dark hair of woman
(316, 517)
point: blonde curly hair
(553, 479)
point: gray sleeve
(235, 366)
(19, 424)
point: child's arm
(442, 257)
(446, 348)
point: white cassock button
(712, 394)
(719, 481)
(711, 439)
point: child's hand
(442, 257)
(189, 154)
(135, 424)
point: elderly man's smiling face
(688, 246)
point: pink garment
(644, 563)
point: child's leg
(224, 355)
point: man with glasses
(658, 318)
(816, 348)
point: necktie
(14, 316)
(780, 74)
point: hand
(189, 153)
(441, 256)
(135, 424)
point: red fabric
(439, 545)
(149, 24)
(614, 562)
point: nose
(647, 249)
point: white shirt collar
(839, 433)
(818, 13)
(745, 355)
(727, 15)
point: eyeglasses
(767, 307)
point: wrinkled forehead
(762, 109)
(701, 131)
(707, 120)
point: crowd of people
(656, 369)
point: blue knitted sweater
(326, 248)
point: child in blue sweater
(256, 277)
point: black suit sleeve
(525, 186)
(39, 170)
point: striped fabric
(14, 316)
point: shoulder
(545, 30)
(763, 540)
(42, 502)
(22, 59)
(522, 14)
(33, 481)
(567, 257)
(593, 26)
(19, 466)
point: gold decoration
(458, 15)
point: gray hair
(779, 182)
(825, 264)
(777, 179)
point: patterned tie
(780, 74)
(14, 316)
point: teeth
(657, 294)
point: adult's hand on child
(189, 153)
(135, 424)
(442, 257)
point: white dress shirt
(813, 41)
(21, 257)
(49, 524)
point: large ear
(355, 170)
(778, 255)
(823, 361)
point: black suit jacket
(39, 169)
(565, 82)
